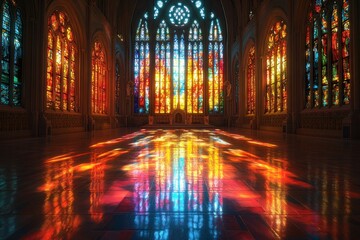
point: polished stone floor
(180, 184)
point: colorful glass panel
(324, 57)
(216, 69)
(331, 41)
(179, 72)
(195, 78)
(5, 57)
(61, 64)
(98, 80)
(335, 54)
(345, 41)
(179, 14)
(162, 70)
(178, 47)
(11, 55)
(142, 69)
(308, 66)
(17, 60)
(250, 82)
(276, 76)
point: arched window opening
(61, 64)
(98, 80)
(327, 72)
(142, 68)
(276, 70)
(216, 68)
(11, 54)
(178, 80)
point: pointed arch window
(327, 72)
(216, 68)
(98, 79)
(250, 81)
(195, 79)
(162, 69)
(276, 70)
(178, 80)
(179, 72)
(62, 59)
(11, 54)
(142, 68)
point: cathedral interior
(179, 119)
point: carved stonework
(179, 117)
(275, 120)
(162, 119)
(332, 120)
(248, 119)
(101, 122)
(62, 120)
(14, 121)
(197, 119)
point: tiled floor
(180, 184)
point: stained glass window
(61, 64)
(308, 66)
(216, 68)
(11, 57)
(117, 88)
(195, 79)
(250, 81)
(142, 68)
(327, 78)
(276, 70)
(162, 70)
(179, 72)
(178, 80)
(98, 80)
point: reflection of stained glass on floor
(179, 184)
(171, 185)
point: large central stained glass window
(174, 67)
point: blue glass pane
(4, 93)
(17, 95)
(17, 49)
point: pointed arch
(185, 34)
(276, 68)
(142, 68)
(62, 60)
(195, 80)
(216, 67)
(162, 69)
(99, 79)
